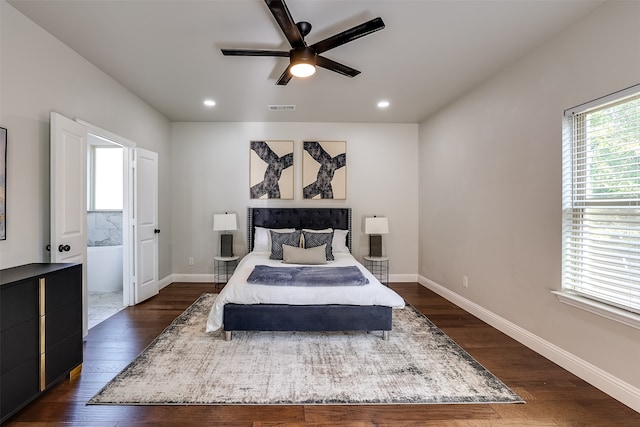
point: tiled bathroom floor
(103, 305)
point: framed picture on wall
(324, 170)
(271, 170)
(3, 184)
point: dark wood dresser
(40, 330)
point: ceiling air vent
(281, 107)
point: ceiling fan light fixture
(303, 69)
(303, 62)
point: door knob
(157, 231)
(64, 248)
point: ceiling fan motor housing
(303, 54)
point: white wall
(39, 74)
(490, 190)
(211, 174)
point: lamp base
(226, 245)
(375, 245)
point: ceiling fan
(303, 58)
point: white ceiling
(431, 52)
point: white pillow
(262, 237)
(311, 256)
(339, 242)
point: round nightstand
(379, 267)
(223, 268)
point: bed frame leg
(227, 335)
(385, 335)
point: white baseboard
(193, 278)
(613, 386)
(166, 281)
(403, 278)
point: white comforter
(238, 291)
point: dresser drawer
(19, 343)
(63, 287)
(63, 357)
(18, 303)
(19, 386)
(62, 323)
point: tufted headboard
(314, 218)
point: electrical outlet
(191, 261)
(465, 281)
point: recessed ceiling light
(209, 102)
(383, 104)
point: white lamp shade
(376, 225)
(225, 222)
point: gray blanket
(307, 276)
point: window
(601, 201)
(105, 178)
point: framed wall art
(324, 170)
(271, 170)
(3, 184)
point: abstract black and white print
(324, 165)
(271, 170)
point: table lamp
(226, 223)
(375, 227)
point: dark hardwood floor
(554, 396)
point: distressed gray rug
(186, 366)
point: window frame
(576, 202)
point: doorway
(68, 213)
(105, 203)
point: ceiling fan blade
(254, 52)
(285, 77)
(283, 17)
(323, 62)
(349, 35)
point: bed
(244, 306)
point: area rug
(418, 365)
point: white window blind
(601, 201)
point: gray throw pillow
(279, 239)
(313, 240)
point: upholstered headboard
(314, 218)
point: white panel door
(146, 224)
(68, 154)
